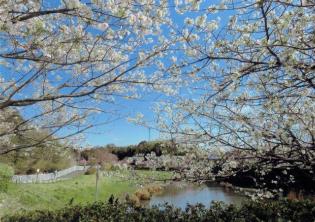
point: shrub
(133, 199)
(297, 211)
(154, 189)
(143, 194)
(6, 173)
(90, 171)
(107, 166)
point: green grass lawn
(80, 190)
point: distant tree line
(101, 154)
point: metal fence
(47, 177)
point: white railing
(47, 177)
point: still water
(179, 195)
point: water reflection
(179, 195)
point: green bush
(6, 173)
(90, 171)
(107, 167)
(272, 211)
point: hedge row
(274, 211)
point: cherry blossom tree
(63, 61)
(251, 72)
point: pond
(181, 194)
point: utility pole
(149, 134)
(97, 174)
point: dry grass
(154, 189)
(145, 193)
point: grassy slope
(81, 189)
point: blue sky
(121, 132)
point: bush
(143, 194)
(297, 211)
(133, 199)
(6, 173)
(107, 166)
(90, 171)
(154, 189)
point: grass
(78, 190)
